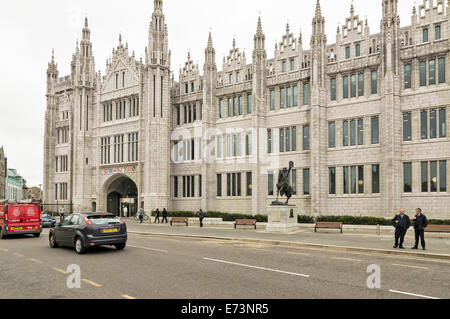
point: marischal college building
(365, 120)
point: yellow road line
(295, 253)
(36, 261)
(18, 255)
(92, 283)
(127, 297)
(61, 271)
(347, 259)
(3, 249)
(409, 266)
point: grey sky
(29, 29)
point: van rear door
(24, 218)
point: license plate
(109, 231)
(16, 228)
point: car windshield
(104, 219)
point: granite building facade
(365, 121)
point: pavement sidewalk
(325, 239)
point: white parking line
(411, 294)
(256, 267)
(151, 249)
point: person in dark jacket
(164, 216)
(201, 216)
(420, 223)
(401, 223)
(141, 215)
(157, 216)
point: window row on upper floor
(124, 108)
(238, 105)
(433, 124)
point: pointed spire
(120, 39)
(189, 55)
(53, 56)
(259, 29)
(234, 43)
(352, 9)
(210, 42)
(318, 9)
(86, 23)
(287, 27)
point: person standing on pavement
(420, 223)
(401, 223)
(164, 216)
(61, 214)
(125, 211)
(157, 216)
(201, 216)
(141, 214)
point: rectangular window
(306, 138)
(433, 177)
(235, 106)
(443, 176)
(229, 185)
(239, 184)
(433, 123)
(269, 141)
(288, 139)
(347, 52)
(238, 78)
(375, 130)
(358, 50)
(331, 135)
(282, 98)
(283, 66)
(424, 125)
(272, 100)
(306, 190)
(360, 179)
(374, 82)
(407, 178)
(332, 180)
(249, 184)
(281, 140)
(352, 132)
(346, 180)
(441, 69)
(432, 72)
(437, 32)
(289, 97)
(407, 76)
(353, 179)
(230, 107)
(192, 87)
(249, 104)
(230, 78)
(407, 127)
(424, 176)
(241, 106)
(442, 123)
(361, 84)
(425, 35)
(221, 109)
(248, 144)
(294, 139)
(292, 64)
(294, 181)
(375, 179)
(306, 94)
(295, 98)
(353, 85)
(175, 186)
(219, 185)
(423, 73)
(200, 186)
(270, 183)
(219, 146)
(360, 132)
(345, 87)
(345, 133)
(333, 89)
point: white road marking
(256, 267)
(408, 266)
(411, 294)
(151, 249)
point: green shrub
(305, 219)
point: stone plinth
(280, 219)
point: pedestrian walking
(157, 216)
(61, 214)
(164, 216)
(141, 214)
(201, 216)
(401, 223)
(125, 211)
(420, 223)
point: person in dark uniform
(401, 223)
(420, 223)
(164, 216)
(157, 216)
(201, 216)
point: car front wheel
(79, 246)
(53, 243)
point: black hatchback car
(88, 230)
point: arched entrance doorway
(122, 197)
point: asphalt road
(188, 268)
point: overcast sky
(29, 29)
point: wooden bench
(438, 229)
(245, 222)
(183, 220)
(328, 225)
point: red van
(20, 219)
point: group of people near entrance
(402, 223)
(200, 214)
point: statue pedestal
(281, 220)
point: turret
(390, 25)
(157, 52)
(318, 47)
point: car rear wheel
(79, 246)
(120, 246)
(37, 235)
(2, 234)
(53, 243)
